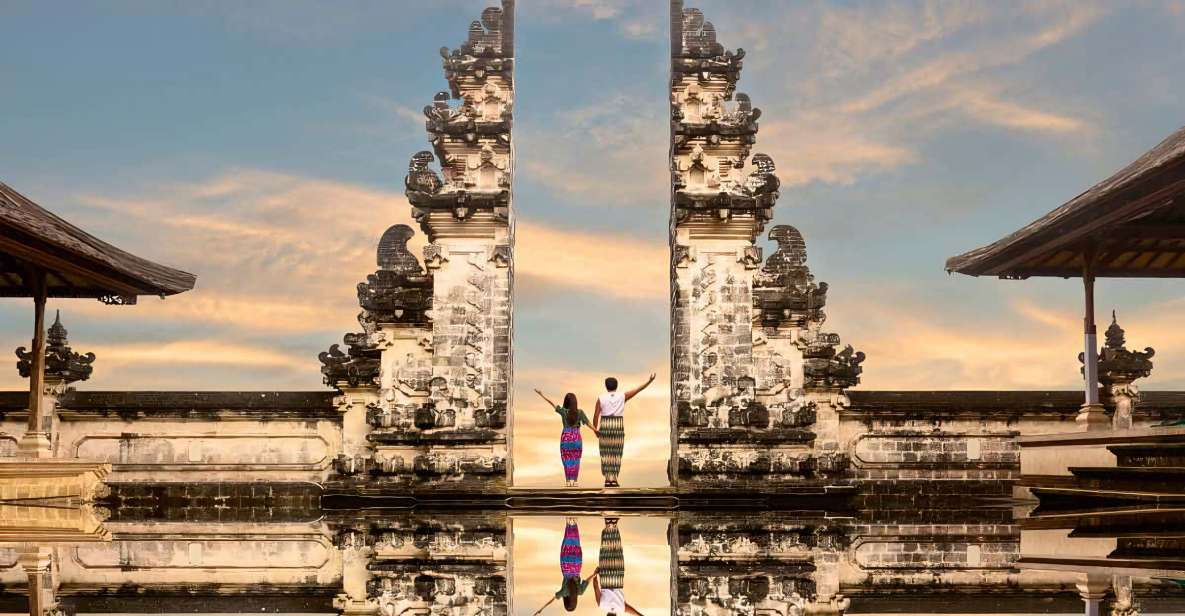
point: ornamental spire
(61, 362)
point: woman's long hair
(572, 585)
(572, 411)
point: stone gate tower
(426, 385)
(756, 383)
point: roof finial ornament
(1116, 363)
(1115, 334)
(61, 361)
(57, 332)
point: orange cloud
(596, 263)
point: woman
(571, 559)
(571, 444)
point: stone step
(1149, 454)
(1169, 480)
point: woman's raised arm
(545, 399)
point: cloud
(639, 27)
(409, 117)
(938, 70)
(1024, 345)
(874, 84)
(183, 352)
(997, 112)
(611, 152)
(821, 149)
(603, 264)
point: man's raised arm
(633, 392)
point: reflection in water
(608, 543)
(609, 582)
(571, 566)
(959, 559)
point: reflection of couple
(608, 423)
(608, 580)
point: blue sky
(263, 145)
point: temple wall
(226, 557)
(193, 437)
(762, 563)
(412, 563)
(285, 437)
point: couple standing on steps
(608, 423)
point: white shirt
(612, 600)
(612, 404)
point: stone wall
(192, 437)
(773, 563)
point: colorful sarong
(611, 559)
(571, 449)
(571, 556)
(612, 444)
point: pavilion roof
(1133, 223)
(77, 263)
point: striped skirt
(611, 559)
(612, 444)
(571, 449)
(571, 556)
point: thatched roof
(1132, 222)
(77, 263)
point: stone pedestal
(35, 445)
(38, 563)
(1092, 417)
(1093, 589)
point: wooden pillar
(38, 564)
(1092, 415)
(36, 442)
(1090, 368)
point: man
(609, 423)
(609, 577)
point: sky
(262, 146)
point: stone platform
(606, 500)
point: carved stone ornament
(825, 368)
(358, 367)
(701, 53)
(1116, 363)
(399, 291)
(486, 51)
(420, 178)
(61, 362)
(785, 290)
